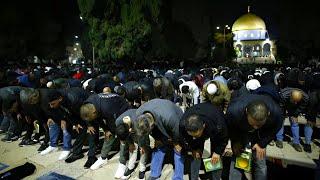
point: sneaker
(90, 161)
(43, 147)
(49, 150)
(271, 143)
(279, 144)
(141, 174)
(127, 174)
(99, 163)
(307, 148)
(74, 157)
(27, 142)
(14, 138)
(297, 147)
(120, 171)
(64, 155)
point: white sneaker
(120, 171)
(64, 155)
(98, 164)
(49, 150)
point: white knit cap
(253, 84)
(49, 84)
(212, 89)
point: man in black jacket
(36, 103)
(64, 111)
(101, 110)
(9, 99)
(201, 122)
(253, 119)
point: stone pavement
(13, 155)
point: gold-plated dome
(248, 21)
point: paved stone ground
(13, 155)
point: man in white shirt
(189, 92)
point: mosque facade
(251, 40)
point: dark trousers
(93, 140)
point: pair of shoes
(43, 147)
(74, 157)
(99, 163)
(297, 147)
(14, 138)
(49, 150)
(64, 154)
(27, 142)
(279, 144)
(90, 162)
(307, 148)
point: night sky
(50, 25)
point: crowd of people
(148, 113)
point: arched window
(257, 50)
(266, 49)
(247, 50)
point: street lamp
(76, 37)
(224, 34)
(81, 17)
(77, 44)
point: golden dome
(248, 21)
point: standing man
(101, 110)
(294, 102)
(160, 119)
(199, 123)
(9, 99)
(190, 93)
(129, 143)
(252, 119)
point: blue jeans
(157, 162)
(10, 125)
(308, 133)
(259, 168)
(280, 134)
(54, 130)
(294, 130)
(195, 168)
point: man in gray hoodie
(160, 119)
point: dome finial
(248, 9)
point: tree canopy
(120, 29)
